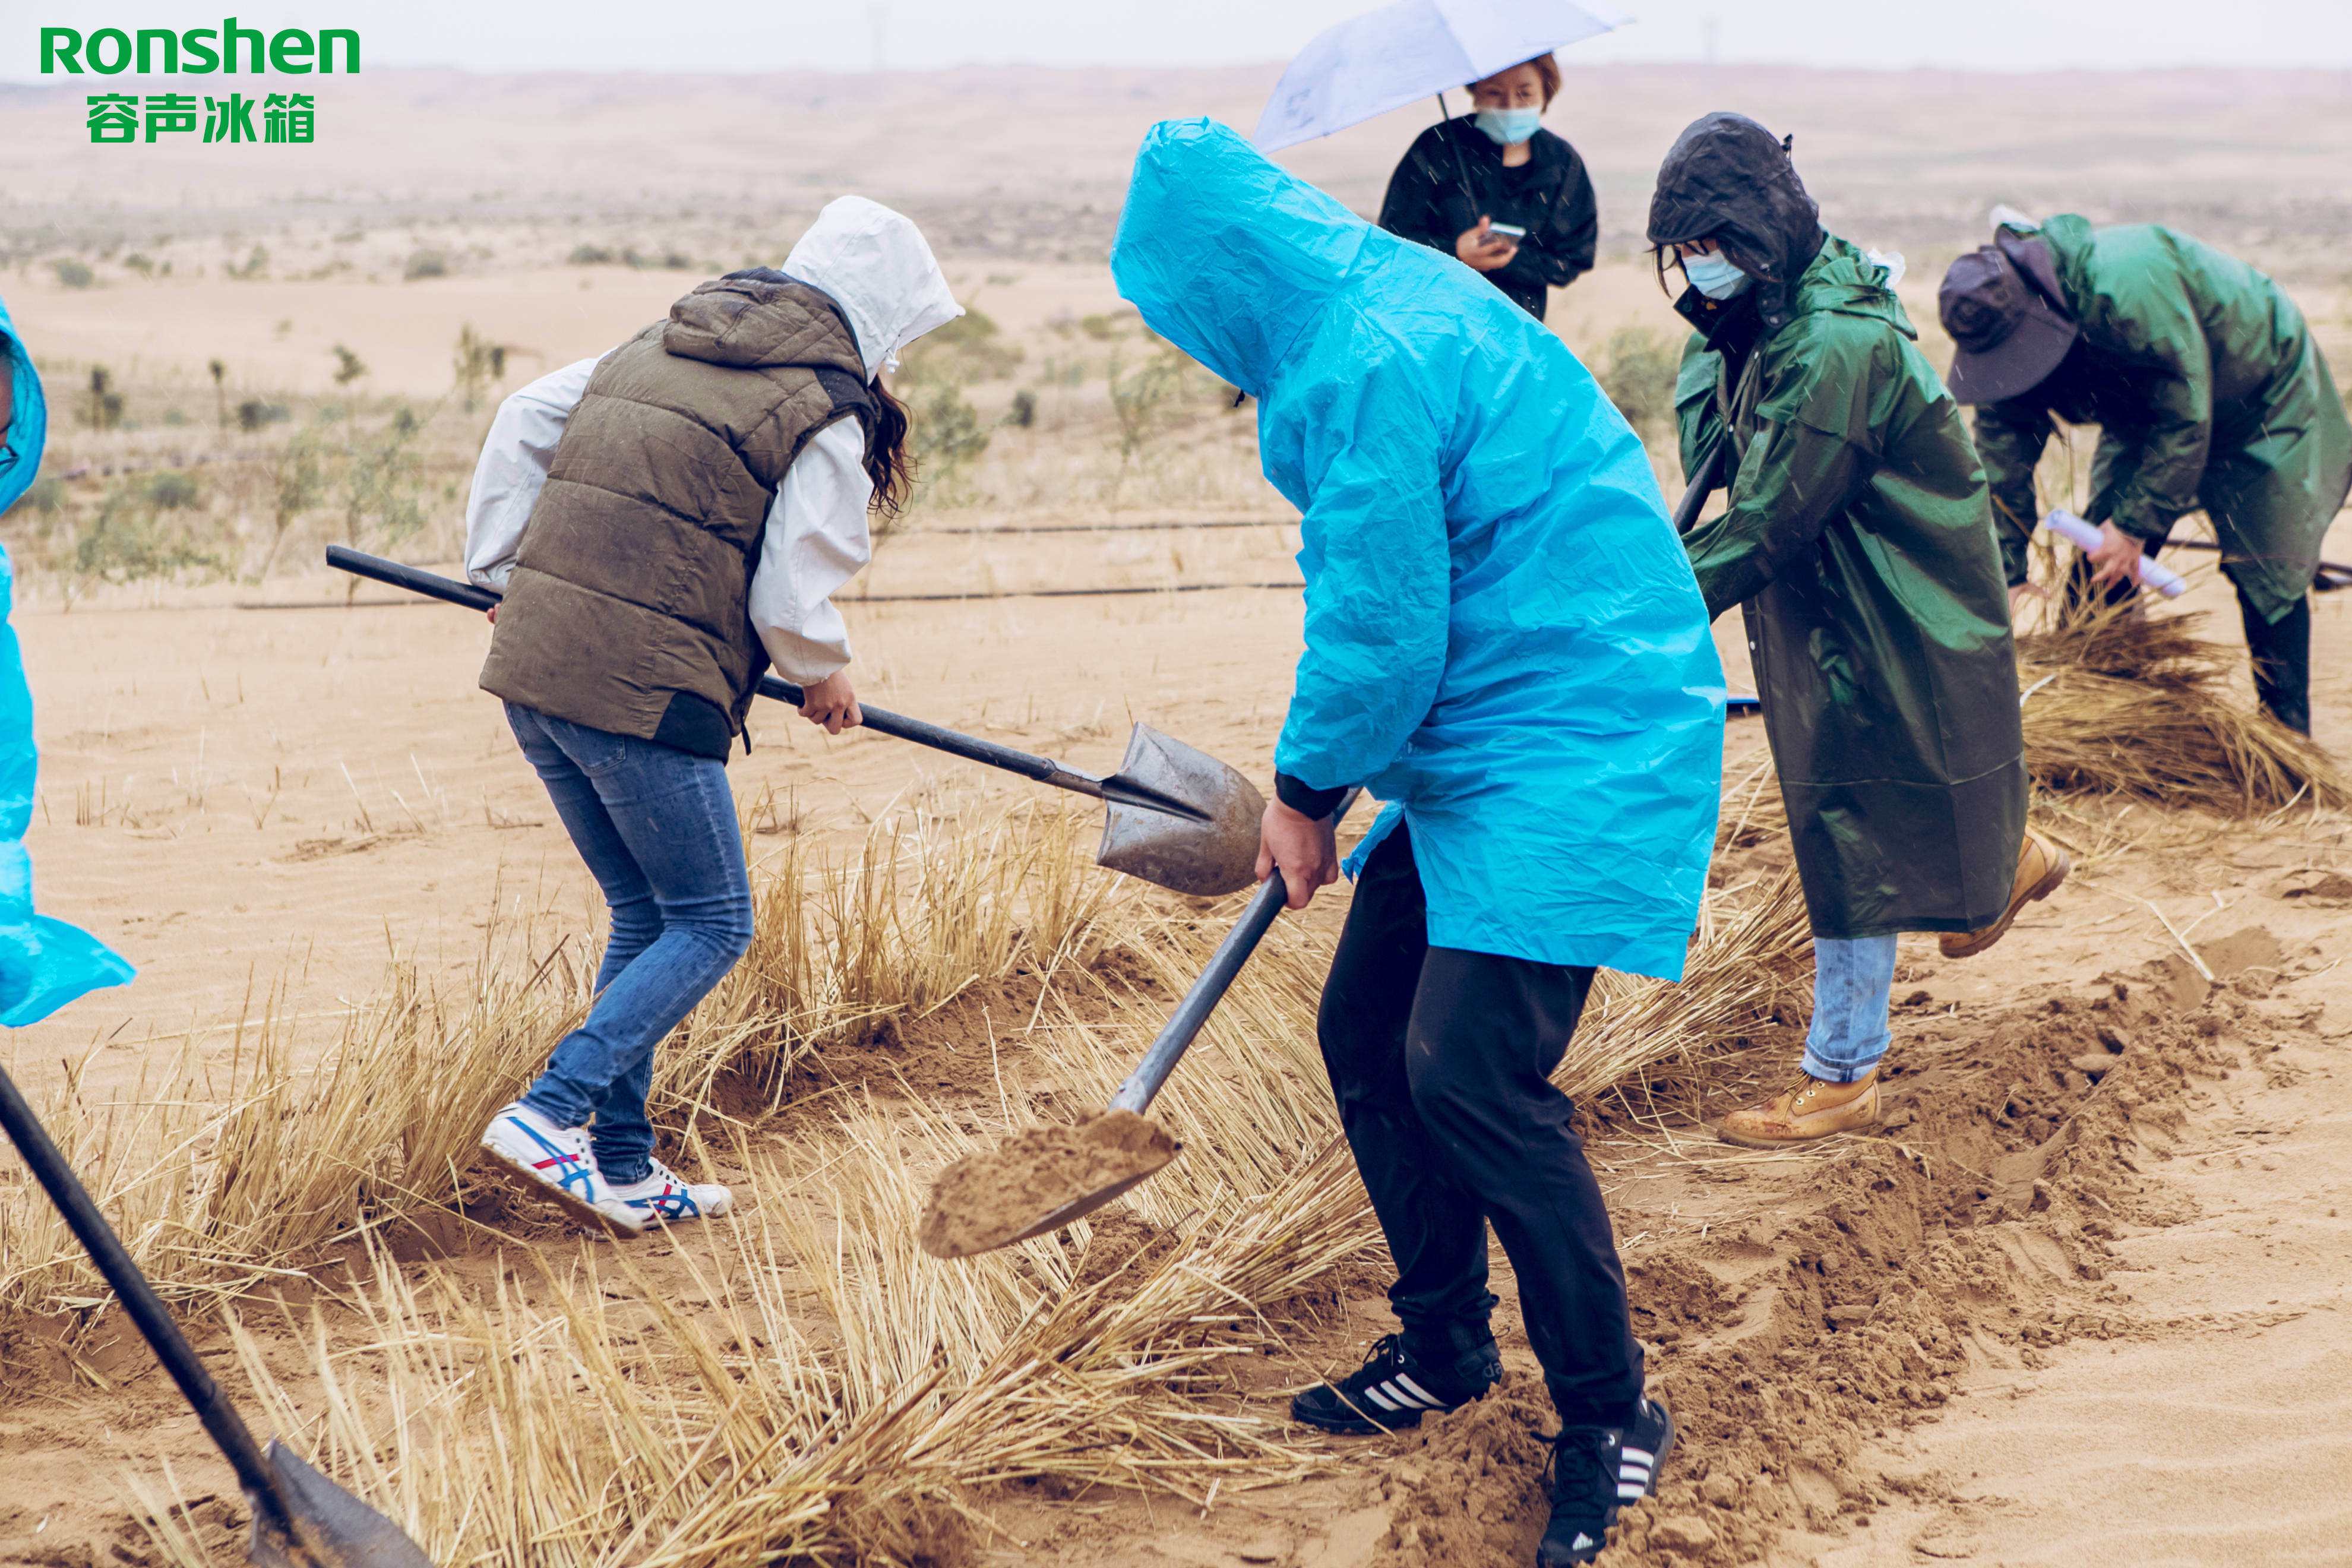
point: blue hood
(1226, 256)
(28, 427)
(1504, 640)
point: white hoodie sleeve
(816, 540)
(513, 470)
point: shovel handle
(146, 1309)
(1703, 482)
(881, 721)
(1176, 1037)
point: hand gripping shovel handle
(1044, 769)
(147, 1311)
(1142, 1085)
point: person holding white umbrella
(1496, 190)
(1492, 188)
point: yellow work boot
(2041, 867)
(1806, 1110)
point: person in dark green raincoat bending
(1857, 539)
(2209, 394)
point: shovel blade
(1206, 857)
(332, 1528)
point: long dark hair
(886, 463)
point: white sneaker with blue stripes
(552, 1162)
(663, 1198)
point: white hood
(875, 265)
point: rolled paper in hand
(2084, 536)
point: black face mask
(1732, 327)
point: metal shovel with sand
(1040, 1179)
(1173, 815)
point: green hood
(1842, 279)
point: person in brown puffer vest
(666, 521)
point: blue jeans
(1851, 983)
(656, 826)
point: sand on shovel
(989, 1199)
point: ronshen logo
(198, 51)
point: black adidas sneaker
(1595, 1471)
(1392, 1389)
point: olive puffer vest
(628, 607)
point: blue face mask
(1508, 126)
(1714, 276)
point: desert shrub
(382, 500)
(349, 366)
(1638, 375)
(1142, 400)
(43, 496)
(171, 492)
(1023, 412)
(74, 275)
(104, 409)
(174, 417)
(478, 364)
(590, 256)
(424, 264)
(257, 266)
(945, 428)
(253, 414)
(944, 432)
(129, 540)
(141, 264)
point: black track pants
(1441, 1060)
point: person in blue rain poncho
(43, 963)
(1505, 643)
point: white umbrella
(1386, 59)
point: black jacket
(1453, 173)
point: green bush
(945, 429)
(74, 275)
(44, 494)
(104, 410)
(129, 541)
(590, 256)
(170, 492)
(1638, 375)
(424, 264)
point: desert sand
(2080, 1302)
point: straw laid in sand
(2118, 701)
(993, 1197)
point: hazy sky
(842, 34)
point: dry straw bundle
(2122, 700)
(831, 1393)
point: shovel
(1176, 816)
(300, 1518)
(1041, 1179)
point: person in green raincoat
(1858, 541)
(2209, 394)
